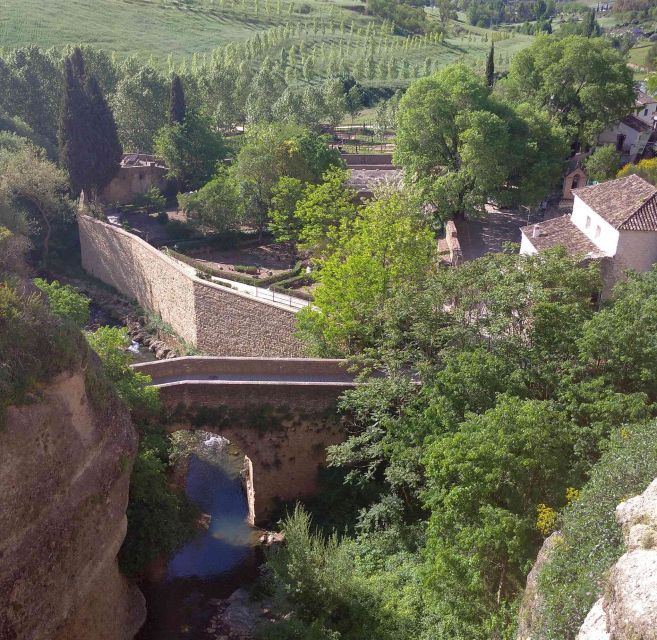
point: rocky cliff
(64, 476)
(628, 608)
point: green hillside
(335, 35)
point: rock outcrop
(628, 608)
(532, 600)
(64, 477)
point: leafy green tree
(335, 103)
(584, 83)
(32, 187)
(388, 247)
(462, 147)
(191, 150)
(603, 163)
(286, 194)
(354, 101)
(65, 301)
(272, 151)
(215, 204)
(322, 210)
(140, 106)
(484, 484)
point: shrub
(178, 229)
(162, 217)
(35, 345)
(149, 201)
(574, 578)
(247, 268)
(65, 301)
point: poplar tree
(177, 105)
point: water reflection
(219, 559)
(214, 484)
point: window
(645, 113)
(575, 183)
(597, 231)
(588, 221)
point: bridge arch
(280, 412)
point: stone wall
(218, 320)
(129, 181)
(64, 477)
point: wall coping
(183, 268)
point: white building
(615, 221)
(632, 134)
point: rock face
(531, 599)
(628, 608)
(64, 476)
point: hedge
(282, 287)
(231, 275)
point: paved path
(232, 378)
(264, 294)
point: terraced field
(177, 28)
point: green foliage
(111, 343)
(387, 248)
(647, 169)
(150, 201)
(65, 301)
(583, 83)
(315, 575)
(603, 163)
(35, 345)
(463, 147)
(191, 150)
(484, 484)
(285, 195)
(216, 204)
(159, 521)
(591, 540)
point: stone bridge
(279, 411)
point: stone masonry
(218, 320)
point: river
(217, 561)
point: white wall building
(615, 221)
(632, 134)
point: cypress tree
(74, 147)
(490, 66)
(106, 150)
(89, 145)
(177, 106)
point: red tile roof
(636, 123)
(625, 203)
(561, 232)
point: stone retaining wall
(218, 320)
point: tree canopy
(463, 146)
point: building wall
(130, 181)
(218, 320)
(637, 251)
(526, 246)
(607, 240)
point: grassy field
(180, 28)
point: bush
(162, 217)
(65, 301)
(247, 268)
(149, 201)
(592, 542)
(35, 345)
(178, 229)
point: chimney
(536, 231)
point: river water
(217, 561)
